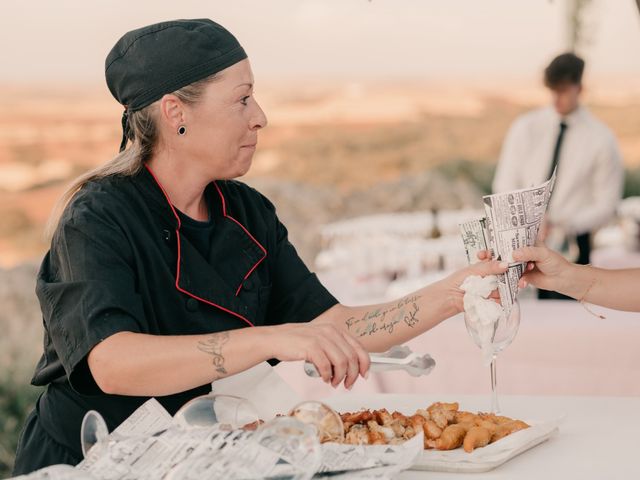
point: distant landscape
(336, 145)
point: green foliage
(479, 174)
(16, 401)
(632, 183)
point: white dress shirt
(590, 173)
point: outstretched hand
(484, 268)
(546, 268)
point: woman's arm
(618, 289)
(336, 342)
(379, 327)
(128, 363)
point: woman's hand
(335, 353)
(547, 269)
(482, 269)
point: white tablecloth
(599, 438)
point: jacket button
(247, 285)
(192, 305)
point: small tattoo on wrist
(212, 345)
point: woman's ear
(172, 111)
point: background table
(599, 438)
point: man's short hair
(564, 69)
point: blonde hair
(142, 131)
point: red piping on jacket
(264, 250)
(224, 211)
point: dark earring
(182, 130)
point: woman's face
(222, 127)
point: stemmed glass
(207, 410)
(326, 422)
(504, 331)
(93, 431)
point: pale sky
(68, 40)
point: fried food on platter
(476, 437)
(488, 425)
(445, 427)
(508, 428)
(382, 417)
(462, 417)
(357, 417)
(357, 435)
(449, 407)
(452, 437)
(497, 419)
(253, 425)
(431, 430)
(443, 413)
(416, 421)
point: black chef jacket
(119, 262)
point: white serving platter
(489, 457)
(455, 461)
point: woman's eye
(245, 99)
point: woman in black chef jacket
(160, 260)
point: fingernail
(503, 264)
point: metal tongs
(399, 357)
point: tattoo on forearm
(212, 345)
(386, 318)
(410, 318)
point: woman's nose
(259, 119)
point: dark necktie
(556, 150)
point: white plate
(489, 457)
(454, 461)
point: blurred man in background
(589, 167)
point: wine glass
(93, 431)
(325, 420)
(95, 438)
(296, 445)
(226, 410)
(504, 331)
